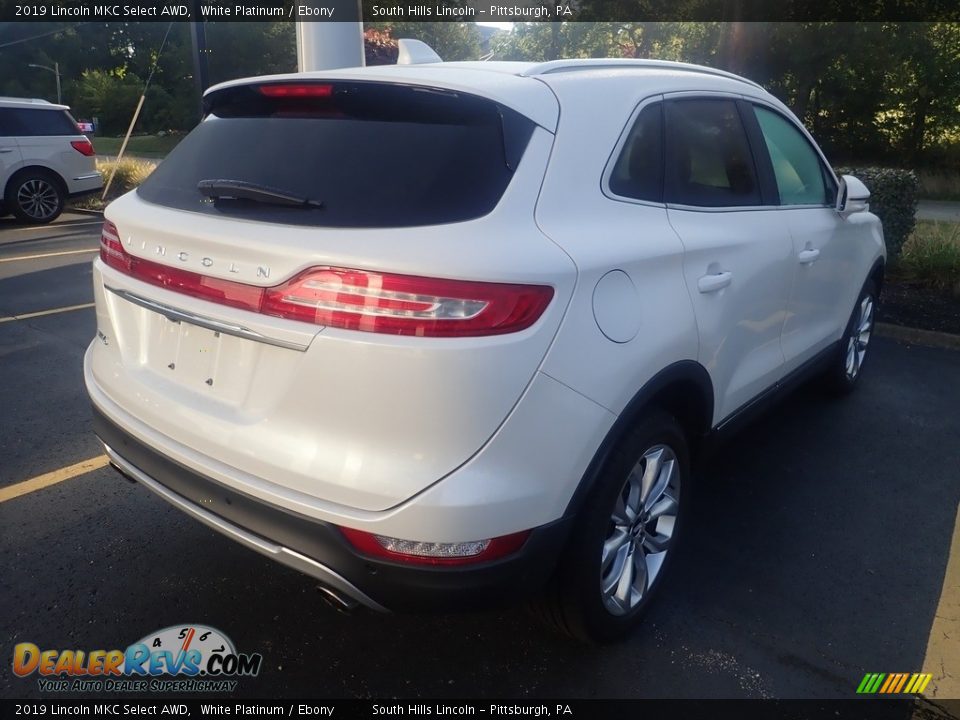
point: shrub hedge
(931, 257)
(130, 172)
(893, 198)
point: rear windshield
(358, 154)
(33, 122)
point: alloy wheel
(859, 338)
(38, 198)
(640, 530)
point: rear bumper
(318, 548)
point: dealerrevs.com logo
(180, 658)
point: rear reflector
(355, 299)
(84, 147)
(415, 552)
(300, 90)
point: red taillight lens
(225, 292)
(111, 249)
(415, 552)
(355, 299)
(84, 147)
(300, 90)
(406, 304)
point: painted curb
(916, 336)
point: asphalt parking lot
(818, 549)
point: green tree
(450, 40)
(111, 97)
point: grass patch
(148, 146)
(939, 185)
(931, 256)
(130, 172)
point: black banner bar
(430, 709)
(483, 11)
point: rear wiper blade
(243, 190)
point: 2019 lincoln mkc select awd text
(450, 333)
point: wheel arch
(876, 274)
(683, 389)
(35, 167)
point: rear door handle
(3, 150)
(808, 256)
(716, 281)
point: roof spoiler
(414, 52)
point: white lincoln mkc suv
(446, 334)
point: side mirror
(852, 196)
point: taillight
(416, 552)
(355, 299)
(299, 90)
(84, 147)
(406, 304)
(111, 249)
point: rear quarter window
(638, 172)
(374, 155)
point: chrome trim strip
(89, 176)
(177, 316)
(254, 542)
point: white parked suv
(453, 333)
(44, 159)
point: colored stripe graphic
(914, 682)
(894, 683)
(891, 681)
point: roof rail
(557, 66)
(37, 101)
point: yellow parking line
(943, 646)
(52, 478)
(50, 254)
(41, 313)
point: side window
(638, 172)
(31, 122)
(796, 166)
(6, 122)
(708, 160)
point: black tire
(847, 367)
(35, 196)
(574, 601)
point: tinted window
(32, 122)
(796, 166)
(708, 162)
(374, 155)
(638, 172)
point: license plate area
(199, 359)
(193, 352)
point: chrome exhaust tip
(339, 602)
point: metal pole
(198, 38)
(56, 69)
(325, 42)
(123, 145)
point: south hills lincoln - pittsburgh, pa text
(493, 11)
